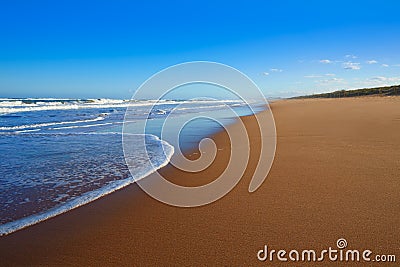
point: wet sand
(336, 175)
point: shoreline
(91, 196)
(74, 203)
(322, 186)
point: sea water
(59, 154)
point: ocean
(59, 154)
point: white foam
(38, 125)
(18, 105)
(81, 126)
(13, 226)
(28, 131)
(56, 107)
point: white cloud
(385, 79)
(276, 70)
(378, 79)
(313, 76)
(325, 61)
(319, 76)
(331, 81)
(372, 61)
(351, 66)
(375, 82)
(265, 73)
(337, 80)
(350, 56)
(385, 65)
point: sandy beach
(335, 175)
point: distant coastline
(377, 91)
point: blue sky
(93, 49)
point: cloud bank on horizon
(348, 72)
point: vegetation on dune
(381, 91)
